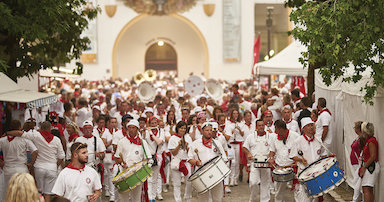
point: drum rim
(139, 183)
(192, 177)
(329, 188)
(312, 177)
(119, 175)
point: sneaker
(165, 188)
(107, 194)
(159, 197)
(228, 190)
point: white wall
(210, 27)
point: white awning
(11, 92)
(286, 62)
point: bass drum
(194, 85)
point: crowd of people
(98, 130)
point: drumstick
(197, 153)
(121, 156)
(271, 163)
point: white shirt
(198, 134)
(49, 153)
(100, 147)
(117, 136)
(132, 153)
(259, 145)
(293, 126)
(221, 139)
(311, 150)
(76, 185)
(174, 142)
(108, 136)
(234, 133)
(83, 114)
(324, 119)
(248, 129)
(270, 129)
(204, 153)
(152, 144)
(15, 152)
(282, 150)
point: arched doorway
(162, 57)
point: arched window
(161, 56)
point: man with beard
(78, 182)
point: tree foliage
(340, 33)
(37, 34)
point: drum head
(204, 167)
(194, 85)
(317, 168)
(282, 171)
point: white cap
(305, 121)
(77, 86)
(148, 109)
(207, 124)
(133, 122)
(87, 123)
(198, 109)
(96, 107)
(214, 125)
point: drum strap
(322, 144)
(142, 145)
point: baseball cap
(126, 116)
(87, 123)
(133, 123)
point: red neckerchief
(177, 135)
(249, 125)
(199, 127)
(258, 134)
(218, 133)
(10, 138)
(254, 111)
(241, 101)
(73, 136)
(279, 137)
(232, 121)
(88, 136)
(122, 113)
(47, 135)
(74, 168)
(325, 110)
(207, 143)
(222, 126)
(289, 121)
(155, 131)
(112, 130)
(307, 138)
(136, 140)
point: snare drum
(261, 162)
(321, 176)
(132, 176)
(281, 174)
(209, 175)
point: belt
(236, 142)
(108, 152)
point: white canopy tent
(286, 62)
(344, 100)
(11, 92)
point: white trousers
(282, 191)
(357, 182)
(235, 165)
(131, 196)
(259, 182)
(176, 182)
(300, 194)
(160, 182)
(153, 182)
(108, 177)
(45, 179)
(2, 185)
(215, 194)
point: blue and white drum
(321, 176)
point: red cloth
(366, 155)
(136, 140)
(144, 192)
(47, 135)
(325, 110)
(72, 167)
(183, 168)
(207, 143)
(163, 164)
(243, 157)
(295, 180)
(355, 152)
(155, 131)
(10, 138)
(73, 136)
(279, 137)
(101, 172)
(307, 138)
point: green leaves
(41, 34)
(340, 33)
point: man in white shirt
(15, 153)
(51, 154)
(130, 150)
(108, 162)
(279, 150)
(120, 133)
(78, 182)
(292, 125)
(256, 146)
(96, 147)
(83, 113)
(155, 138)
(306, 150)
(323, 123)
(268, 121)
(203, 150)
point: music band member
(256, 147)
(281, 146)
(78, 182)
(203, 150)
(130, 150)
(306, 150)
(178, 146)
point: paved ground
(241, 194)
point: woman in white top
(178, 146)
